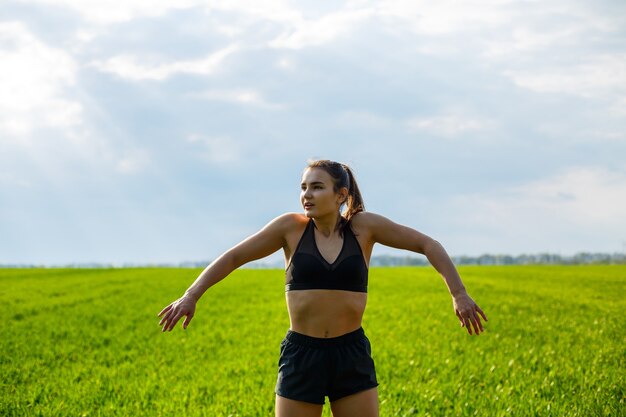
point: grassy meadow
(86, 342)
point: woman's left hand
(467, 312)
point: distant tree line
(581, 258)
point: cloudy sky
(160, 131)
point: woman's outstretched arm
(391, 234)
(263, 243)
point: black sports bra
(309, 270)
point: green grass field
(79, 342)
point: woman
(325, 351)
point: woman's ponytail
(354, 203)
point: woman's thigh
(362, 404)
(286, 407)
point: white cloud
(584, 195)
(592, 199)
(133, 68)
(580, 209)
(105, 12)
(10, 179)
(618, 108)
(320, 31)
(563, 129)
(272, 10)
(39, 116)
(286, 64)
(528, 39)
(363, 119)
(218, 150)
(522, 43)
(597, 76)
(241, 96)
(445, 16)
(132, 161)
(448, 125)
(33, 82)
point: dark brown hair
(342, 176)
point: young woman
(325, 351)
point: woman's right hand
(184, 306)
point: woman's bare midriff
(325, 313)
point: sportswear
(312, 368)
(309, 270)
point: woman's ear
(344, 195)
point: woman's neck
(327, 224)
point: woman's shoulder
(362, 223)
(369, 222)
(285, 224)
(364, 218)
(292, 219)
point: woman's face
(317, 190)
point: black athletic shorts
(311, 368)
